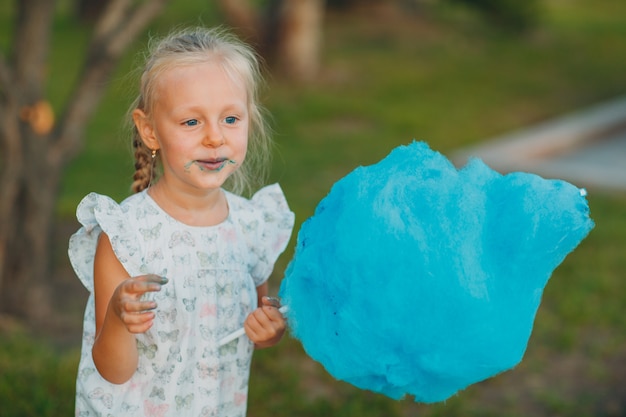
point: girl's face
(199, 123)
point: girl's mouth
(209, 165)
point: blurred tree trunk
(287, 33)
(35, 146)
(90, 10)
(299, 36)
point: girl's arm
(119, 314)
(265, 326)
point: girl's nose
(213, 137)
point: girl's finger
(130, 318)
(272, 313)
(270, 302)
(157, 279)
(141, 286)
(140, 306)
(140, 327)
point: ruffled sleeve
(97, 213)
(276, 225)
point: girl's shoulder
(267, 200)
(95, 207)
(265, 222)
(99, 213)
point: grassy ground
(442, 77)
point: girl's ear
(145, 129)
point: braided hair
(145, 161)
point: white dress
(213, 273)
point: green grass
(35, 379)
(441, 77)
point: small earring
(153, 155)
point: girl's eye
(191, 122)
(230, 120)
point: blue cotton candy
(413, 277)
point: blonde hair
(201, 45)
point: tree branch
(11, 160)
(5, 83)
(31, 46)
(109, 20)
(6, 98)
(5, 74)
(118, 27)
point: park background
(389, 75)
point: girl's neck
(192, 209)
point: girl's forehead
(201, 72)
(191, 85)
(194, 71)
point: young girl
(182, 263)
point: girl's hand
(136, 314)
(265, 326)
